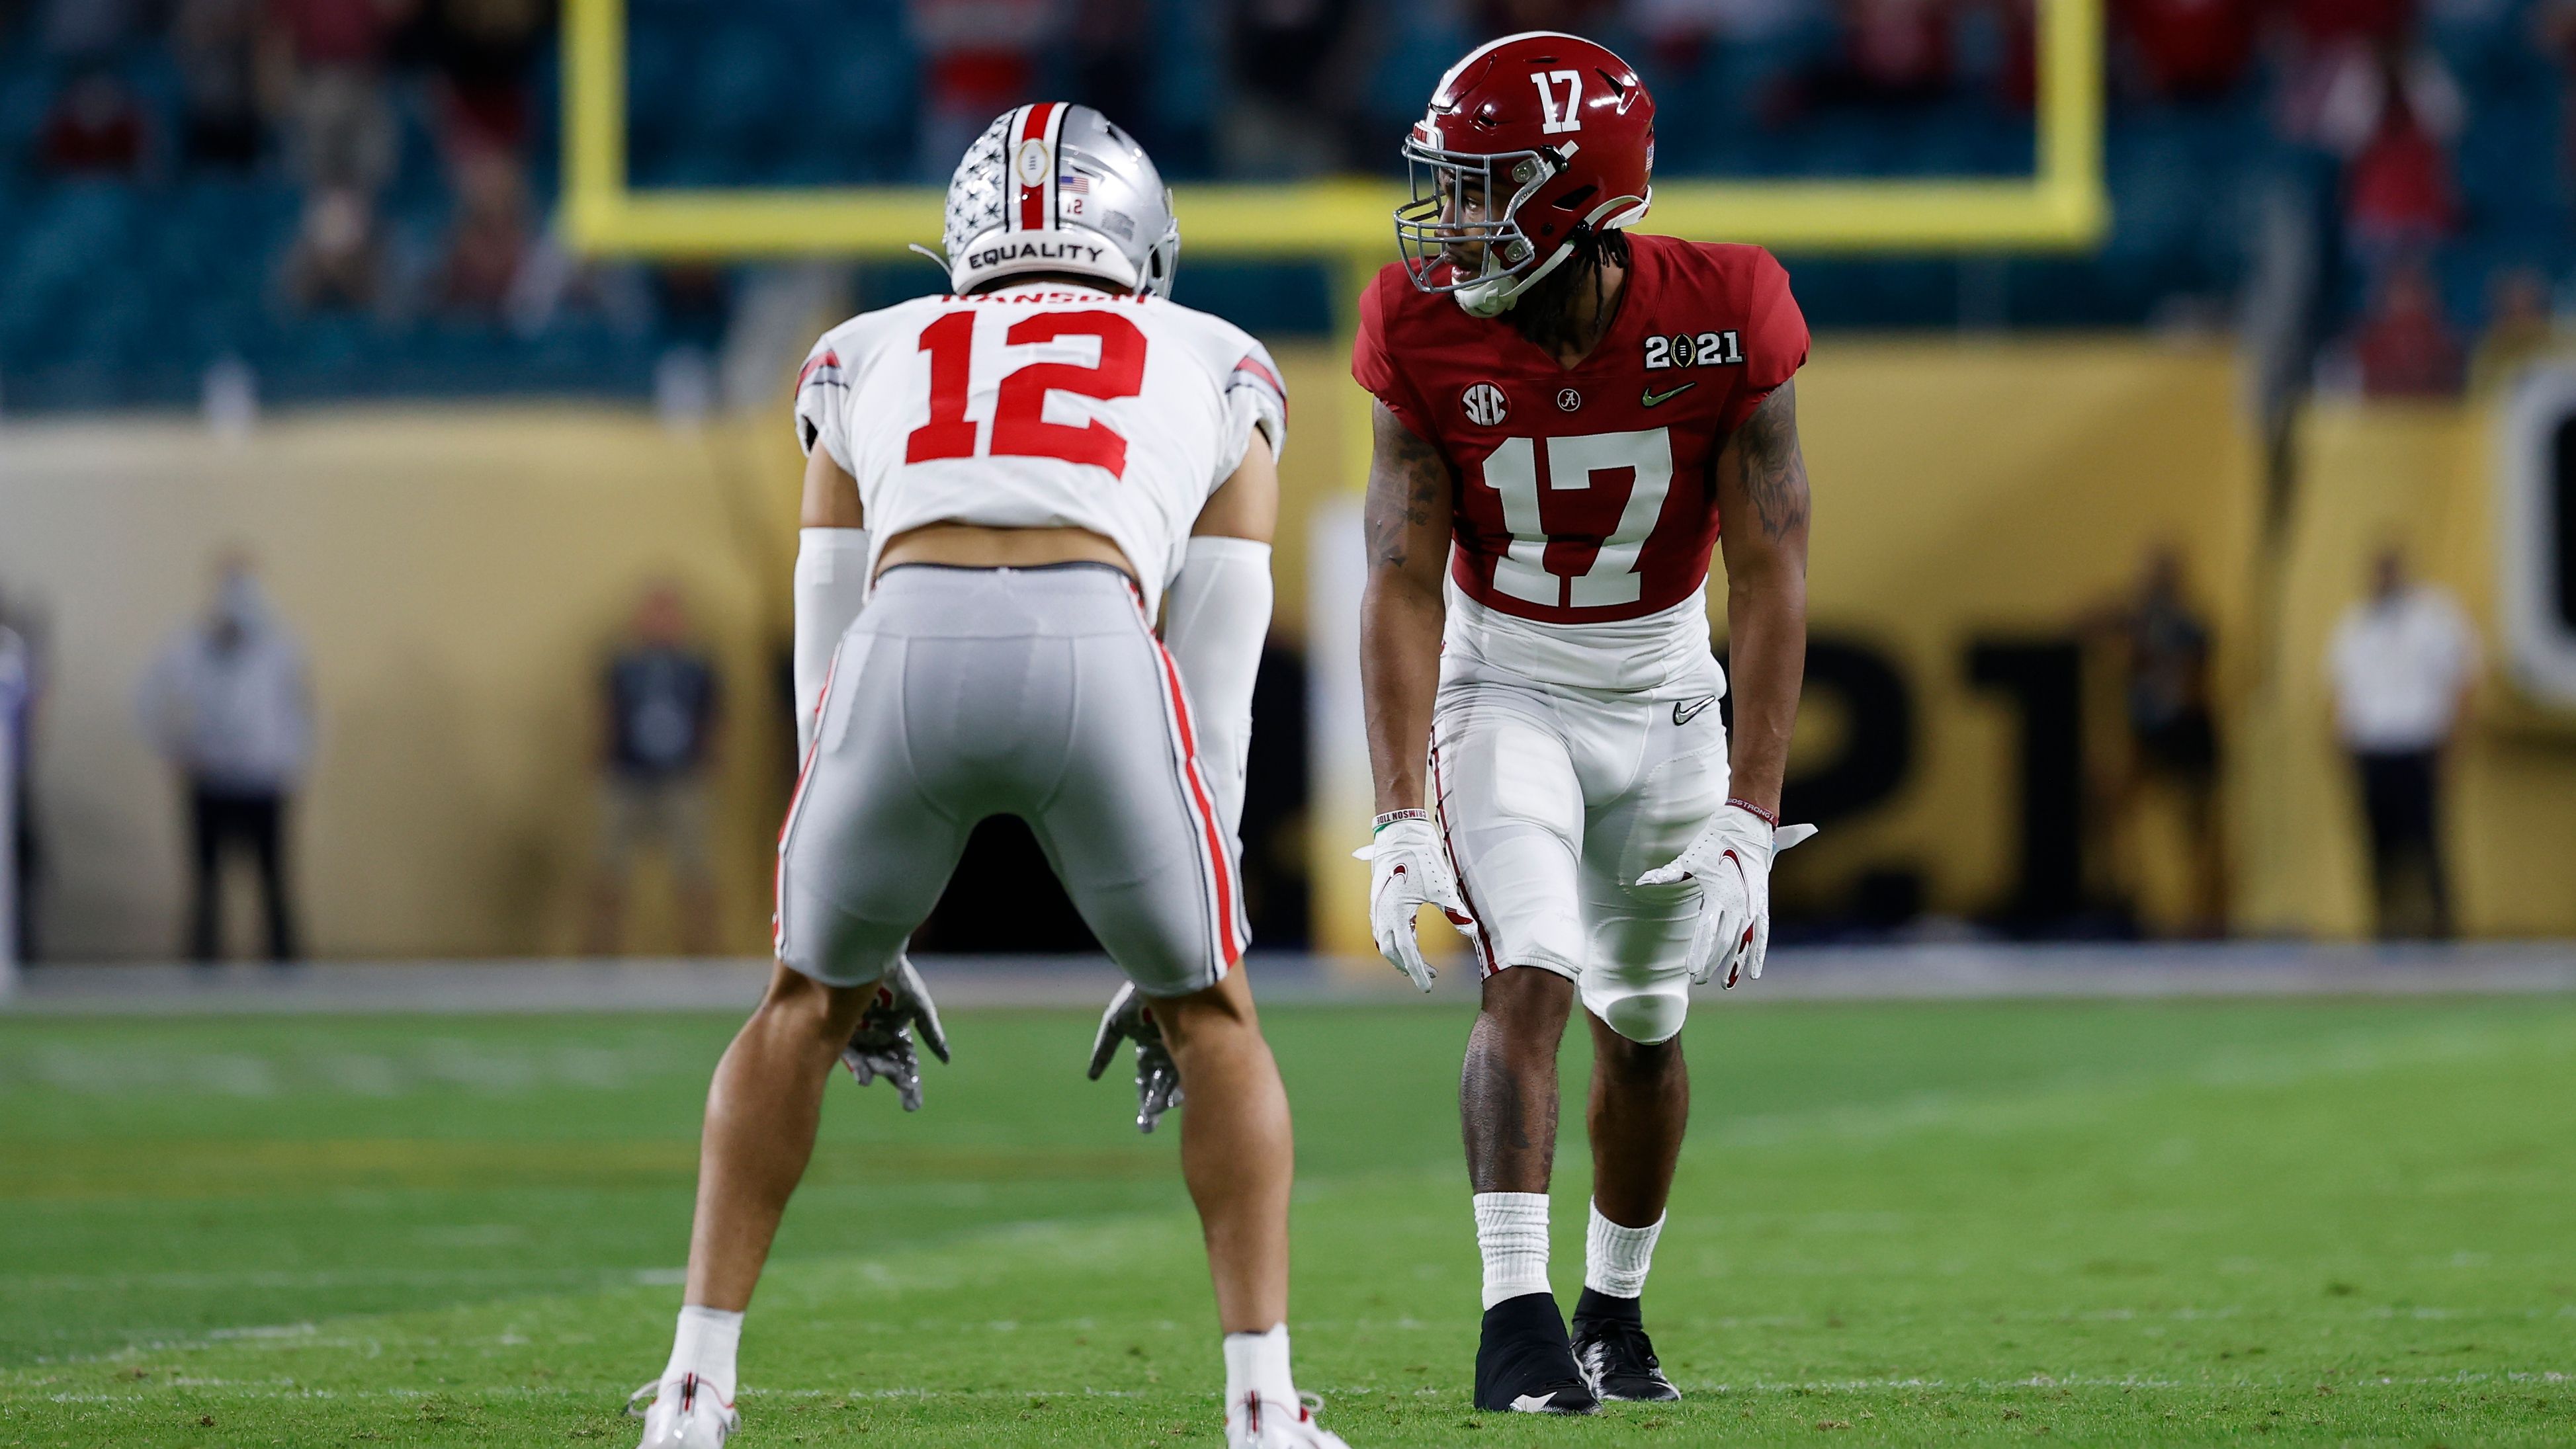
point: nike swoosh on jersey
(1650, 397)
(1684, 711)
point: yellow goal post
(2060, 206)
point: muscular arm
(1246, 504)
(831, 495)
(1762, 497)
(1408, 516)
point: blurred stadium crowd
(386, 166)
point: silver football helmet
(1053, 187)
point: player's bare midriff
(981, 546)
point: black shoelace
(1637, 1352)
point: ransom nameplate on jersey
(1708, 349)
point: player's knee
(800, 1005)
(1649, 1018)
(1219, 1017)
(1631, 1060)
(1530, 1000)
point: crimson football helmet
(1530, 141)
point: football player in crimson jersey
(1569, 420)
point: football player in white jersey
(1004, 486)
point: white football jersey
(1051, 405)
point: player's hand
(882, 1045)
(1731, 860)
(1130, 1017)
(1407, 871)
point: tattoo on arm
(1408, 490)
(1775, 471)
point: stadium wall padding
(459, 573)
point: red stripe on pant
(1458, 876)
(796, 798)
(1228, 937)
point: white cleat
(685, 1414)
(1253, 1422)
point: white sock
(1258, 1363)
(705, 1346)
(1615, 1259)
(1511, 1233)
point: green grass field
(2343, 1222)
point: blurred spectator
(2012, 65)
(2553, 33)
(2392, 120)
(485, 54)
(22, 689)
(95, 127)
(228, 704)
(1894, 53)
(1113, 53)
(2327, 40)
(663, 707)
(216, 46)
(1677, 32)
(978, 59)
(1289, 114)
(489, 241)
(325, 62)
(1511, 17)
(2405, 348)
(337, 260)
(2188, 50)
(2402, 663)
(89, 31)
(696, 301)
(2520, 326)
(2172, 734)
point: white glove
(1408, 870)
(1130, 1017)
(881, 1046)
(1731, 860)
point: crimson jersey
(1587, 494)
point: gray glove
(1130, 1017)
(882, 1046)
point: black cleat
(1525, 1366)
(1611, 1347)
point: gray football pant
(1042, 693)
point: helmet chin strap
(1494, 292)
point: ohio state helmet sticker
(1708, 349)
(1484, 404)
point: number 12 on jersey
(1579, 463)
(1020, 428)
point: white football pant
(1553, 800)
(1042, 693)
